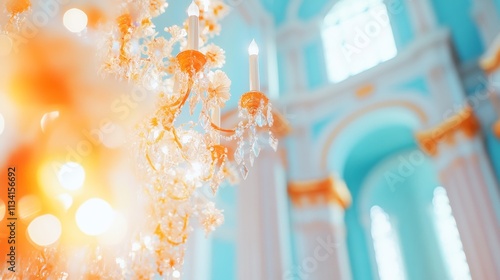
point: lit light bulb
(193, 10)
(94, 216)
(253, 49)
(71, 176)
(75, 20)
(45, 230)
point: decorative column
(320, 232)
(263, 232)
(467, 176)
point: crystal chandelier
(183, 159)
(180, 160)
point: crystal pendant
(273, 142)
(239, 154)
(244, 171)
(204, 122)
(270, 118)
(251, 157)
(259, 119)
(239, 131)
(256, 148)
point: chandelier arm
(216, 127)
(150, 162)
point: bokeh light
(47, 119)
(71, 176)
(45, 230)
(5, 45)
(176, 274)
(75, 20)
(29, 206)
(94, 216)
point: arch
(410, 108)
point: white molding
(423, 55)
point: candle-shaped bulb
(194, 21)
(193, 10)
(253, 49)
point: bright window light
(357, 35)
(386, 246)
(449, 236)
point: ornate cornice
(464, 121)
(319, 192)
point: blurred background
(390, 169)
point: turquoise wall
(457, 16)
(409, 206)
(364, 156)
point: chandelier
(180, 160)
(183, 159)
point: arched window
(449, 237)
(386, 246)
(357, 35)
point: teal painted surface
(365, 155)
(417, 84)
(400, 22)
(277, 8)
(310, 9)
(497, 5)
(223, 260)
(493, 146)
(493, 150)
(282, 75)
(409, 206)
(223, 238)
(315, 64)
(319, 127)
(456, 15)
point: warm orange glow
(29, 206)
(17, 6)
(2, 210)
(5, 45)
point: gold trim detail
(317, 192)
(464, 121)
